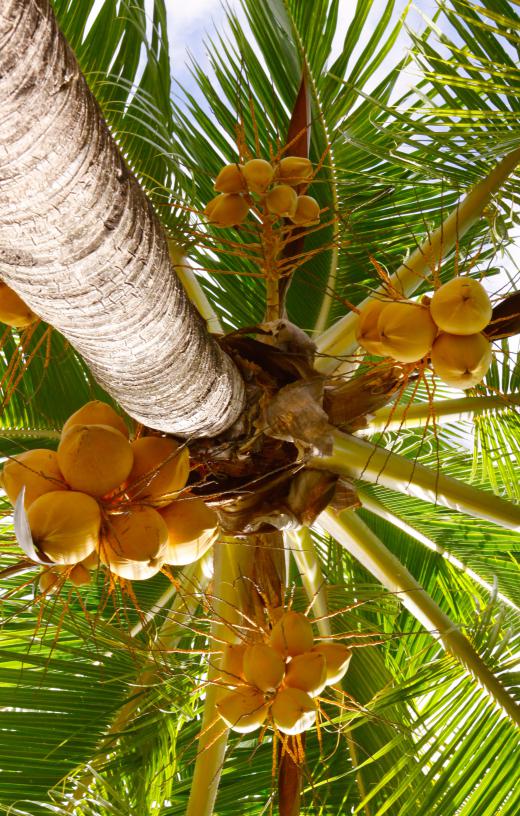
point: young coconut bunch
(446, 330)
(269, 187)
(276, 680)
(97, 499)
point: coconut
(91, 561)
(258, 174)
(264, 667)
(230, 179)
(65, 525)
(293, 711)
(50, 581)
(159, 471)
(243, 710)
(232, 664)
(96, 413)
(367, 332)
(407, 331)
(13, 311)
(226, 210)
(337, 658)
(461, 306)
(37, 470)
(133, 545)
(192, 529)
(95, 459)
(307, 672)
(79, 575)
(282, 200)
(295, 170)
(292, 634)
(461, 361)
(307, 211)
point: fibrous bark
(80, 242)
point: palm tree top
(110, 689)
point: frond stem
(355, 458)
(445, 411)
(353, 534)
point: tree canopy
(104, 687)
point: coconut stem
(304, 552)
(340, 338)
(355, 458)
(302, 548)
(353, 534)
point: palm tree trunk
(80, 242)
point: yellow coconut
(192, 529)
(337, 658)
(282, 200)
(95, 459)
(91, 561)
(367, 332)
(461, 361)
(243, 710)
(307, 211)
(50, 581)
(461, 306)
(226, 210)
(264, 667)
(307, 672)
(38, 470)
(230, 179)
(65, 525)
(13, 311)
(232, 664)
(96, 413)
(79, 575)
(292, 635)
(258, 174)
(293, 711)
(407, 331)
(295, 170)
(133, 544)
(159, 471)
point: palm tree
(104, 690)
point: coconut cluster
(13, 311)
(277, 680)
(446, 329)
(271, 185)
(103, 499)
